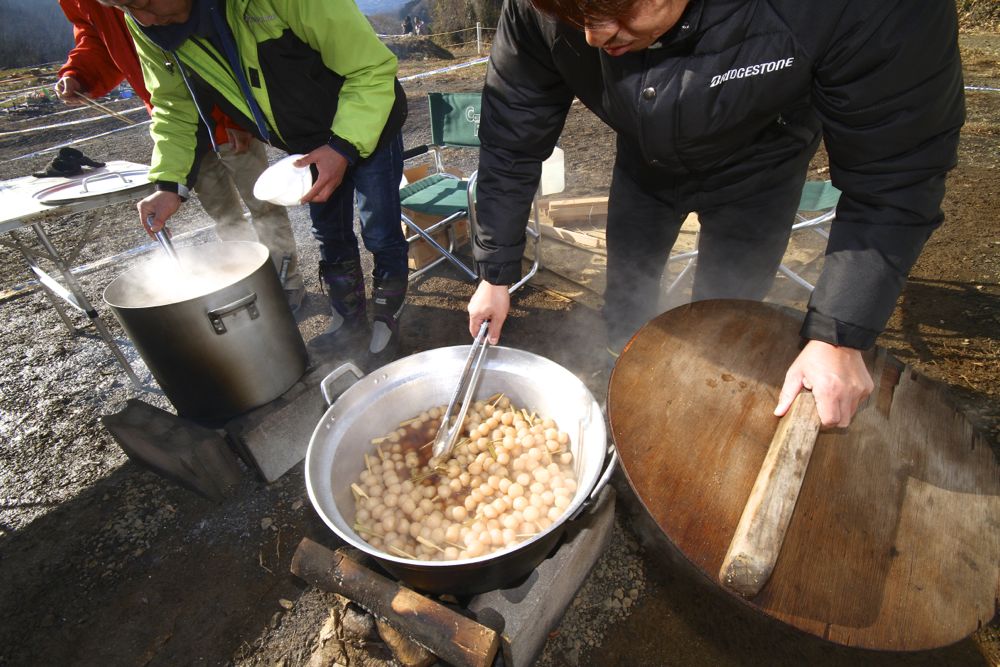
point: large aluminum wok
(378, 402)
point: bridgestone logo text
(753, 70)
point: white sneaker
(381, 334)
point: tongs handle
(447, 434)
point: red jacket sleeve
(89, 62)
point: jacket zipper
(194, 98)
(224, 67)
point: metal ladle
(448, 432)
(163, 237)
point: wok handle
(335, 375)
(602, 481)
(760, 533)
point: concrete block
(274, 438)
(191, 455)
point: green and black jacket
(315, 67)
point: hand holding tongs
(447, 434)
(163, 236)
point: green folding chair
(454, 119)
(819, 198)
(817, 206)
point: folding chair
(454, 119)
(818, 198)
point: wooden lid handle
(755, 545)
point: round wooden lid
(895, 539)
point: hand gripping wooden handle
(761, 530)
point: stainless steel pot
(378, 402)
(217, 333)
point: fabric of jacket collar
(170, 37)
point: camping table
(20, 209)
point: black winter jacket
(735, 90)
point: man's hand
(68, 90)
(490, 302)
(240, 140)
(331, 166)
(837, 376)
(155, 209)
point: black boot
(388, 299)
(346, 287)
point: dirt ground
(104, 563)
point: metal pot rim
(586, 489)
(249, 253)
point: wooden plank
(579, 212)
(579, 206)
(761, 530)
(452, 637)
(582, 240)
(895, 540)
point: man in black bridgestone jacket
(718, 106)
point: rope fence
(478, 41)
(54, 126)
(52, 149)
(421, 75)
(77, 109)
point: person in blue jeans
(375, 180)
(309, 77)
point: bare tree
(460, 17)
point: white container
(283, 183)
(553, 174)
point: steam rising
(202, 270)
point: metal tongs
(163, 236)
(449, 430)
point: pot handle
(249, 302)
(335, 375)
(612, 463)
(101, 177)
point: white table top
(20, 208)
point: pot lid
(98, 183)
(892, 543)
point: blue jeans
(375, 181)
